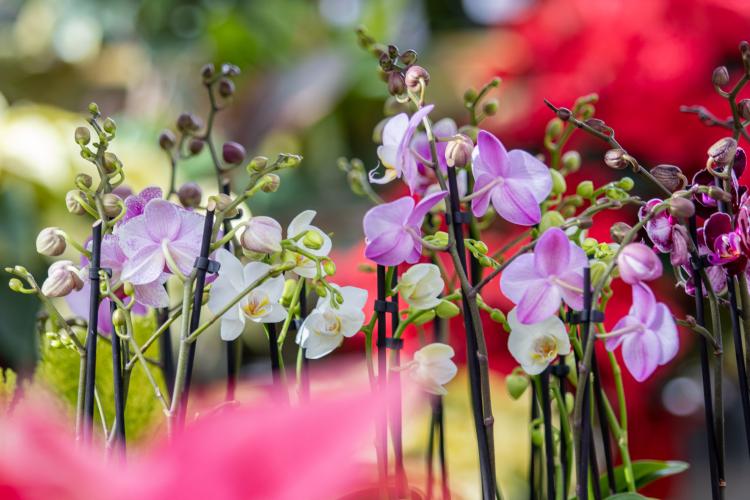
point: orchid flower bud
(637, 263)
(118, 318)
(313, 240)
(432, 367)
(329, 267)
(188, 122)
(232, 152)
(62, 278)
(190, 195)
(226, 88)
(559, 186)
(396, 83)
(51, 242)
(553, 218)
(671, 176)
(421, 286)
(112, 205)
(618, 231)
(262, 235)
(723, 150)
(271, 184)
(681, 207)
(195, 146)
(720, 76)
(257, 164)
(571, 161)
(615, 158)
(414, 77)
(446, 309)
(221, 202)
(72, 203)
(82, 136)
(719, 194)
(458, 151)
(516, 385)
(167, 140)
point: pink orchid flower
(395, 153)
(637, 262)
(393, 231)
(515, 182)
(648, 334)
(538, 281)
(163, 229)
(136, 203)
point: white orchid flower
(299, 226)
(421, 286)
(536, 345)
(260, 306)
(432, 367)
(326, 326)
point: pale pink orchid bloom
(537, 282)
(648, 334)
(393, 231)
(162, 229)
(637, 262)
(395, 153)
(516, 182)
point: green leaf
(644, 473)
(626, 496)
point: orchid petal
(538, 303)
(552, 253)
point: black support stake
(549, 447)
(395, 385)
(582, 469)
(119, 395)
(382, 421)
(166, 355)
(93, 327)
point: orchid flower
(535, 346)
(724, 243)
(425, 178)
(538, 281)
(637, 262)
(666, 233)
(421, 286)
(432, 367)
(261, 305)
(516, 182)
(164, 235)
(136, 203)
(716, 275)
(648, 334)
(395, 153)
(329, 323)
(393, 231)
(300, 225)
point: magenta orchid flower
(516, 182)
(666, 233)
(162, 230)
(724, 244)
(648, 334)
(136, 203)
(707, 205)
(393, 231)
(395, 153)
(716, 274)
(538, 281)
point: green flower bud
(490, 107)
(321, 290)
(440, 238)
(559, 186)
(615, 194)
(585, 189)
(94, 109)
(590, 245)
(71, 202)
(257, 164)
(82, 136)
(425, 317)
(128, 289)
(118, 318)
(554, 128)
(112, 205)
(286, 160)
(626, 183)
(221, 202)
(271, 184)
(498, 316)
(109, 126)
(15, 284)
(537, 436)
(598, 268)
(576, 200)
(481, 247)
(329, 267)
(313, 240)
(550, 219)
(111, 163)
(84, 180)
(288, 293)
(570, 402)
(516, 385)
(446, 309)
(571, 161)
(470, 96)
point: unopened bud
(257, 164)
(313, 240)
(286, 160)
(226, 88)
(722, 151)
(167, 140)
(516, 385)
(489, 108)
(585, 189)
(396, 83)
(329, 267)
(207, 72)
(415, 76)
(550, 219)
(744, 106)
(112, 205)
(72, 203)
(458, 151)
(271, 183)
(719, 194)
(619, 231)
(221, 203)
(287, 293)
(111, 163)
(564, 114)
(559, 186)
(187, 122)
(598, 271)
(670, 176)
(447, 309)
(498, 316)
(51, 242)
(195, 146)
(554, 128)
(15, 284)
(232, 152)
(228, 69)
(109, 126)
(128, 289)
(615, 158)
(94, 109)
(425, 317)
(585, 222)
(82, 136)
(84, 180)
(681, 207)
(262, 235)
(720, 76)
(190, 195)
(408, 58)
(62, 278)
(571, 161)
(118, 318)
(626, 183)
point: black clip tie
(385, 306)
(458, 218)
(394, 343)
(699, 263)
(94, 272)
(578, 317)
(206, 264)
(559, 370)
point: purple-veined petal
(145, 266)
(538, 303)
(481, 203)
(532, 172)
(552, 253)
(390, 249)
(152, 294)
(493, 154)
(423, 207)
(663, 325)
(574, 279)
(644, 303)
(612, 343)
(191, 226)
(162, 220)
(641, 353)
(515, 203)
(133, 235)
(519, 275)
